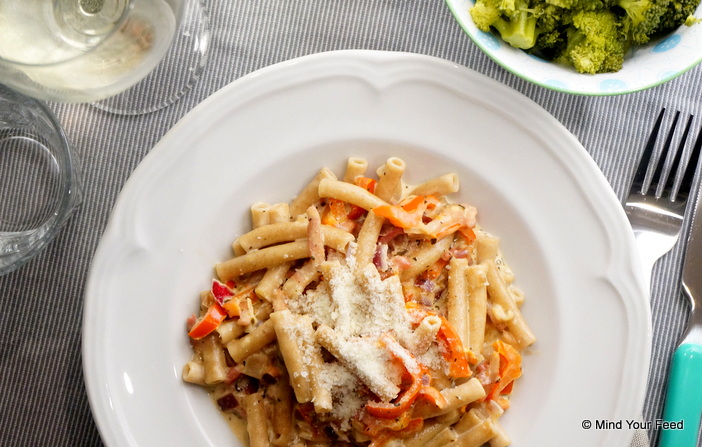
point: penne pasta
(257, 428)
(260, 214)
(476, 281)
(474, 429)
(456, 397)
(194, 372)
(486, 247)
(282, 416)
(310, 195)
(355, 167)
(214, 362)
(390, 179)
(349, 193)
(427, 257)
(366, 312)
(291, 332)
(431, 429)
(439, 186)
(457, 310)
(281, 232)
(262, 259)
(243, 347)
(499, 294)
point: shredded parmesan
(353, 310)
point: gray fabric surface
(43, 400)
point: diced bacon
(315, 239)
(191, 321)
(401, 262)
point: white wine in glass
(83, 50)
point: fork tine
(642, 169)
(673, 173)
(658, 175)
(686, 182)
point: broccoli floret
(551, 25)
(596, 43)
(484, 13)
(692, 20)
(677, 13)
(642, 18)
(512, 19)
(519, 31)
(582, 5)
(590, 35)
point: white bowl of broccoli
(588, 47)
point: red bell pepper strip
(356, 212)
(208, 322)
(220, 291)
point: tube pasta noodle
(443, 185)
(310, 194)
(390, 181)
(366, 312)
(355, 167)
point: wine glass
(92, 50)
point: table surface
(44, 402)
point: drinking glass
(90, 50)
(39, 178)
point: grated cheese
(357, 308)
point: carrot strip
(414, 371)
(510, 369)
(453, 351)
(366, 183)
(452, 348)
(398, 216)
(336, 212)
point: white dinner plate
(265, 135)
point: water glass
(39, 178)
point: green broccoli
(582, 5)
(642, 18)
(511, 18)
(596, 43)
(590, 35)
(552, 23)
(678, 13)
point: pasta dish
(364, 312)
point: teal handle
(684, 398)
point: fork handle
(684, 398)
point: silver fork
(656, 207)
